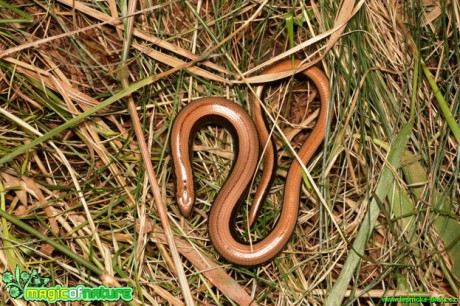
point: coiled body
(250, 135)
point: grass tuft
(379, 219)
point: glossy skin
(249, 136)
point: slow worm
(250, 136)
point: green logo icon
(18, 283)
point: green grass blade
(76, 120)
(26, 17)
(7, 245)
(290, 31)
(453, 125)
(446, 226)
(386, 181)
(61, 248)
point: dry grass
(76, 203)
